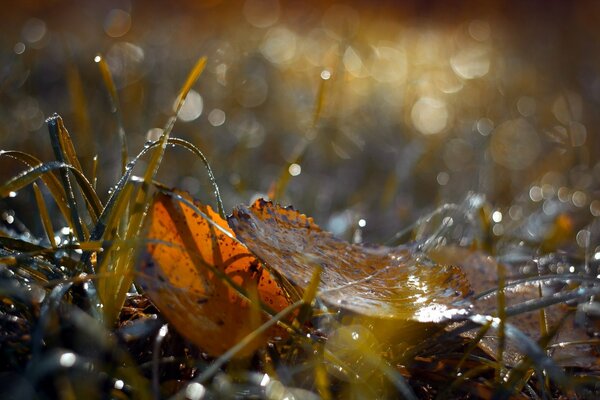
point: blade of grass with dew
(282, 181)
(66, 145)
(109, 83)
(28, 176)
(115, 287)
(53, 129)
(46, 222)
(101, 226)
(50, 180)
(94, 173)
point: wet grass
(73, 323)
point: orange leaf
(374, 281)
(185, 270)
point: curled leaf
(375, 281)
(195, 272)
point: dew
(535, 193)
(579, 199)
(352, 344)
(192, 107)
(429, 115)
(583, 238)
(515, 144)
(497, 216)
(12, 194)
(261, 13)
(279, 45)
(163, 331)
(97, 59)
(67, 360)
(526, 106)
(443, 178)
(325, 74)
(479, 30)
(515, 212)
(119, 384)
(265, 380)
(564, 194)
(34, 30)
(19, 48)
(362, 222)
(117, 23)
(126, 62)
(216, 117)
(153, 135)
(472, 62)
(295, 169)
(195, 391)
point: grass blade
(120, 274)
(46, 222)
(57, 145)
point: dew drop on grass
(67, 360)
(195, 391)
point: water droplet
(429, 115)
(163, 331)
(579, 199)
(497, 216)
(12, 194)
(265, 380)
(119, 384)
(117, 23)
(19, 48)
(216, 117)
(195, 391)
(325, 74)
(97, 59)
(443, 178)
(295, 169)
(362, 222)
(67, 360)
(192, 107)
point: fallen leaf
(481, 270)
(375, 281)
(184, 271)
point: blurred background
(422, 102)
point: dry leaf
(180, 271)
(374, 281)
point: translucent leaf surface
(190, 268)
(377, 281)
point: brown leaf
(376, 281)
